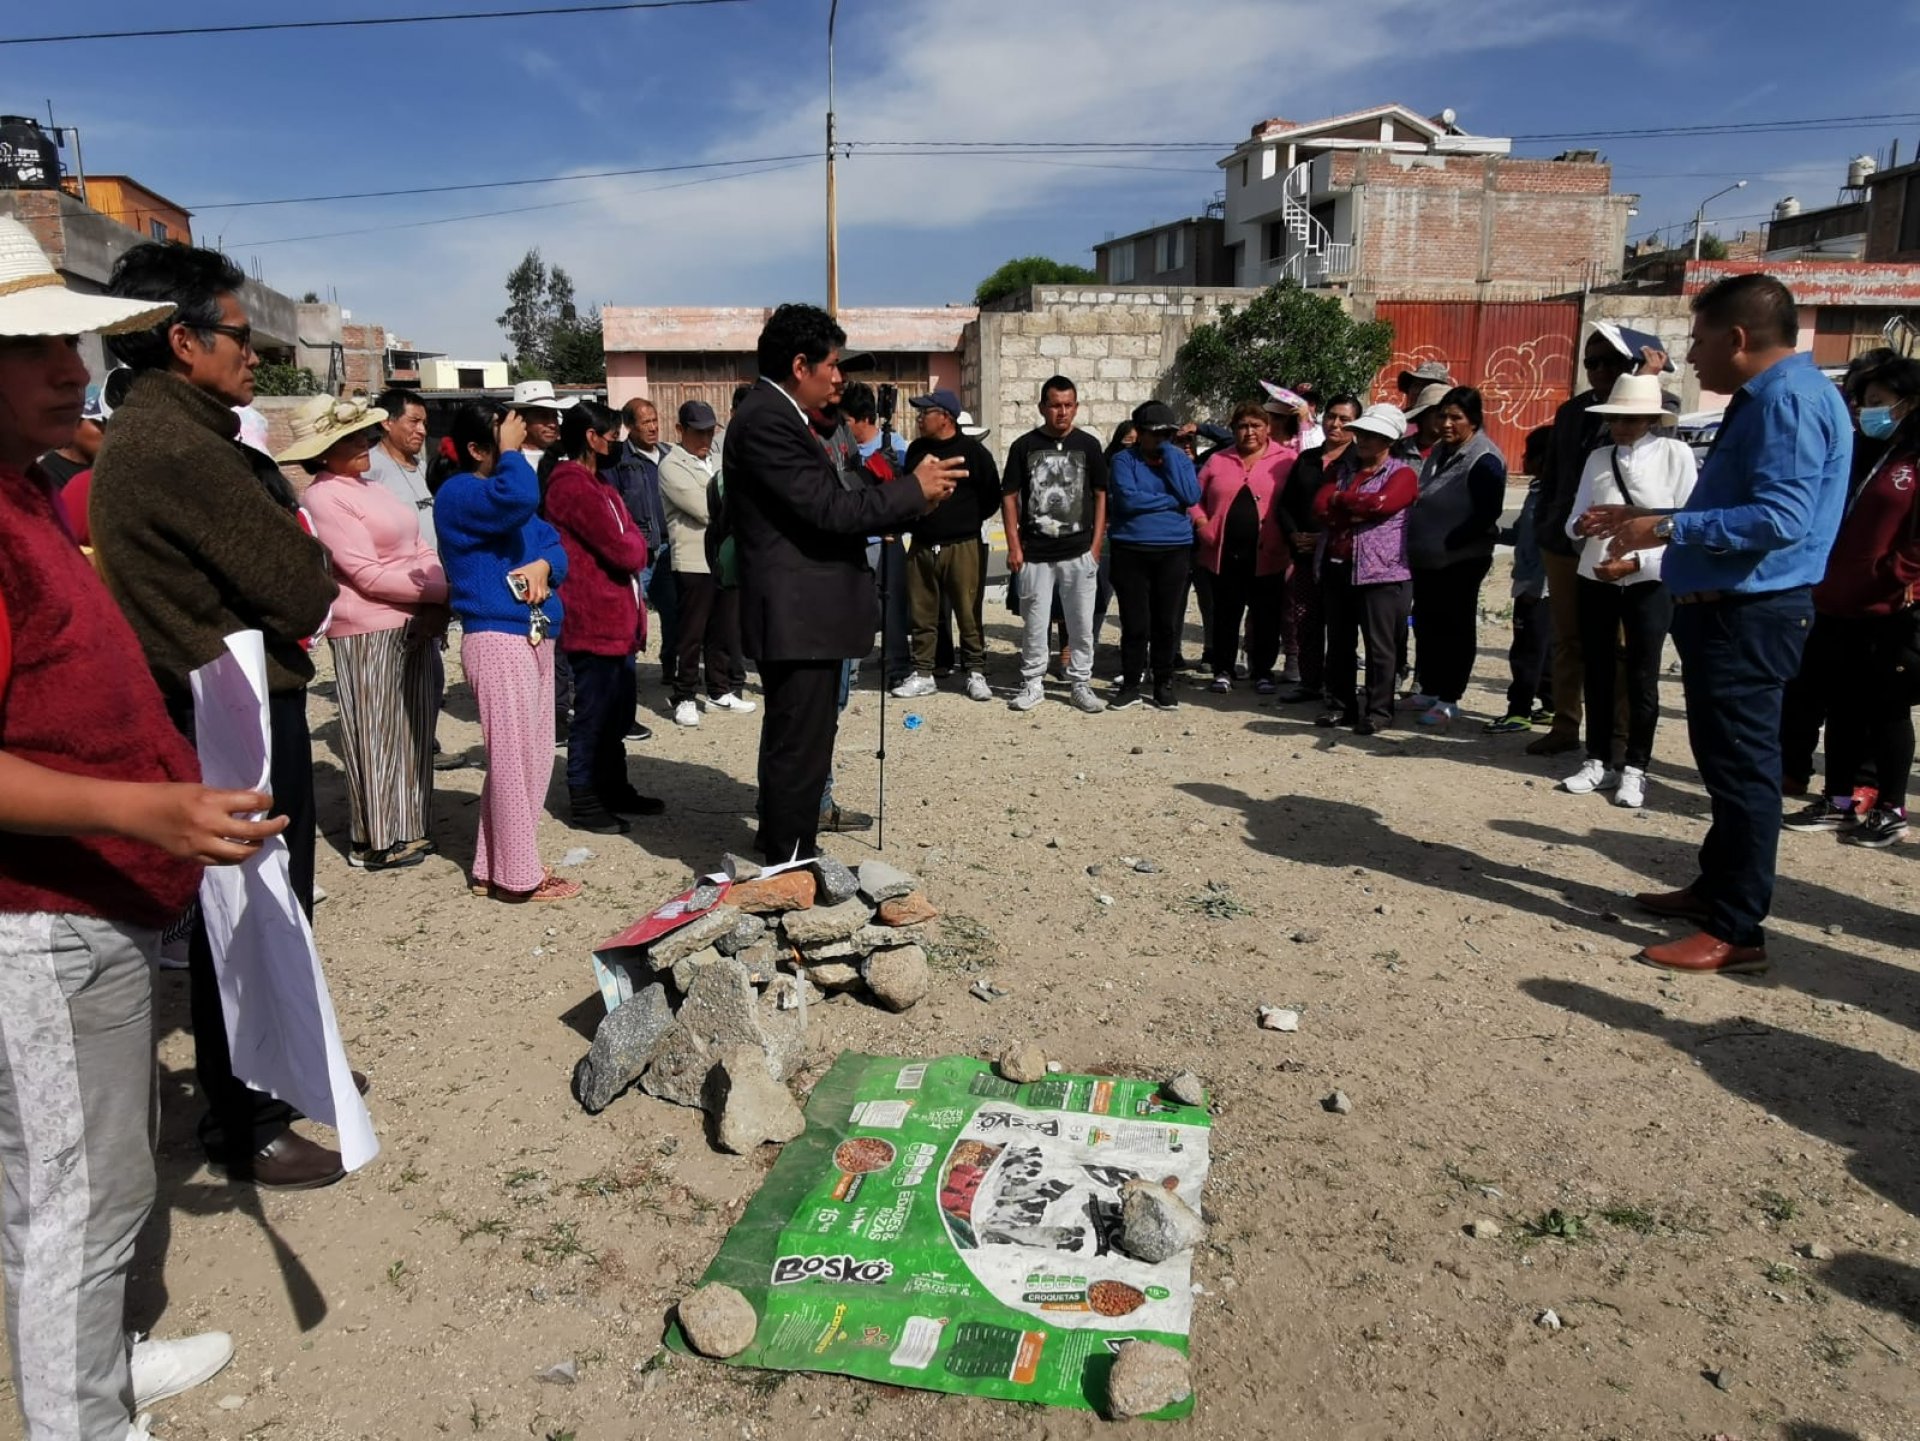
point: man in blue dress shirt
(1742, 558)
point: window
(1910, 217)
(1120, 263)
(1274, 241)
(1245, 167)
(1169, 250)
(471, 377)
(157, 229)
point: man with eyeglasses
(199, 537)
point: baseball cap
(697, 415)
(1155, 415)
(941, 399)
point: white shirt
(1659, 473)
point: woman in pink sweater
(391, 609)
(1237, 528)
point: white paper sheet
(280, 1023)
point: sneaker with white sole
(1028, 696)
(1591, 777)
(1632, 792)
(1881, 827)
(732, 702)
(914, 687)
(163, 1369)
(686, 714)
(1439, 716)
(977, 687)
(1084, 699)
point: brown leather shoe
(1554, 743)
(1682, 905)
(289, 1162)
(1707, 954)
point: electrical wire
(1741, 127)
(539, 11)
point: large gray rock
(717, 1321)
(739, 868)
(748, 1106)
(622, 1046)
(678, 1070)
(898, 978)
(836, 882)
(1155, 1224)
(1022, 1062)
(762, 958)
(882, 882)
(1146, 1377)
(833, 976)
(869, 939)
(747, 932)
(823, 951)
(696, 935)
(783, 1022)
(826, 923)
(687, 967)
(722, 1007)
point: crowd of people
(1338, 551)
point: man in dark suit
(807, 596)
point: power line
(541, 12)
(1743, 127)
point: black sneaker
(1126, 698)
(1365, 728)
(638, 732)
(630, 802)
(1163, 697)
(1881, 828)
(590, 813)
(837, 818)
(1299, 695)
(1820, 814)
(406, 853)
(1327, 720)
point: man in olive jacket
(807, 596)
(199, 536)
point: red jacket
(1874, 566)
(605, 555)
(78, 697)
(1221, 479)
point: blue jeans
(1737, 656)
(602, 708)
(663, 607)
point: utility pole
(1700, 215)
(833, 205)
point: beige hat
(324, 421)
(1382, 420)
(1426, 400)
(34, 300)
(1636, 395)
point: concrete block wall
(1117, 344)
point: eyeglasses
(240, 335)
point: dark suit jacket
(806, 592)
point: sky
(212, 121)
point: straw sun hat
(34, 300)
(324, 421)
(1636, 395)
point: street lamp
(833, 211)
(1699, 216)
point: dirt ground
(1658, 1152)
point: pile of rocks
(734, 985)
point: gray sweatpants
(76, 1146)
(1076, 581)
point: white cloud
(1121, 70)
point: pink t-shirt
(385, 570)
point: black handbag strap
(1613, 455)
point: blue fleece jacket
(487, 526)
(1148, 504)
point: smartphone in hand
(522, 592)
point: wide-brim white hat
(324, 421)
(1382, 420)
(1636, 395)
(1429, 397)
(35, 300)
(538, 395)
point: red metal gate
(1518, 353)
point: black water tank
(29, 159)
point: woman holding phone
(504, 565)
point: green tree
(1286, 335)
(551, 338)
(273, 379)
(1712, 247)
(1017, 275)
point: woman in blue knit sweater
(504, 566)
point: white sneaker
(686, 714)
(1084, 699)
(1633, 789)
(977, 687)
(1591, 777)
(915, 686)
(1028, 696)
(166, 1368)
(137, 1430)
(732, 702)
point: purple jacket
(1379, 545)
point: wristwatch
(1663, 528)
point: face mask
(1877, 422)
